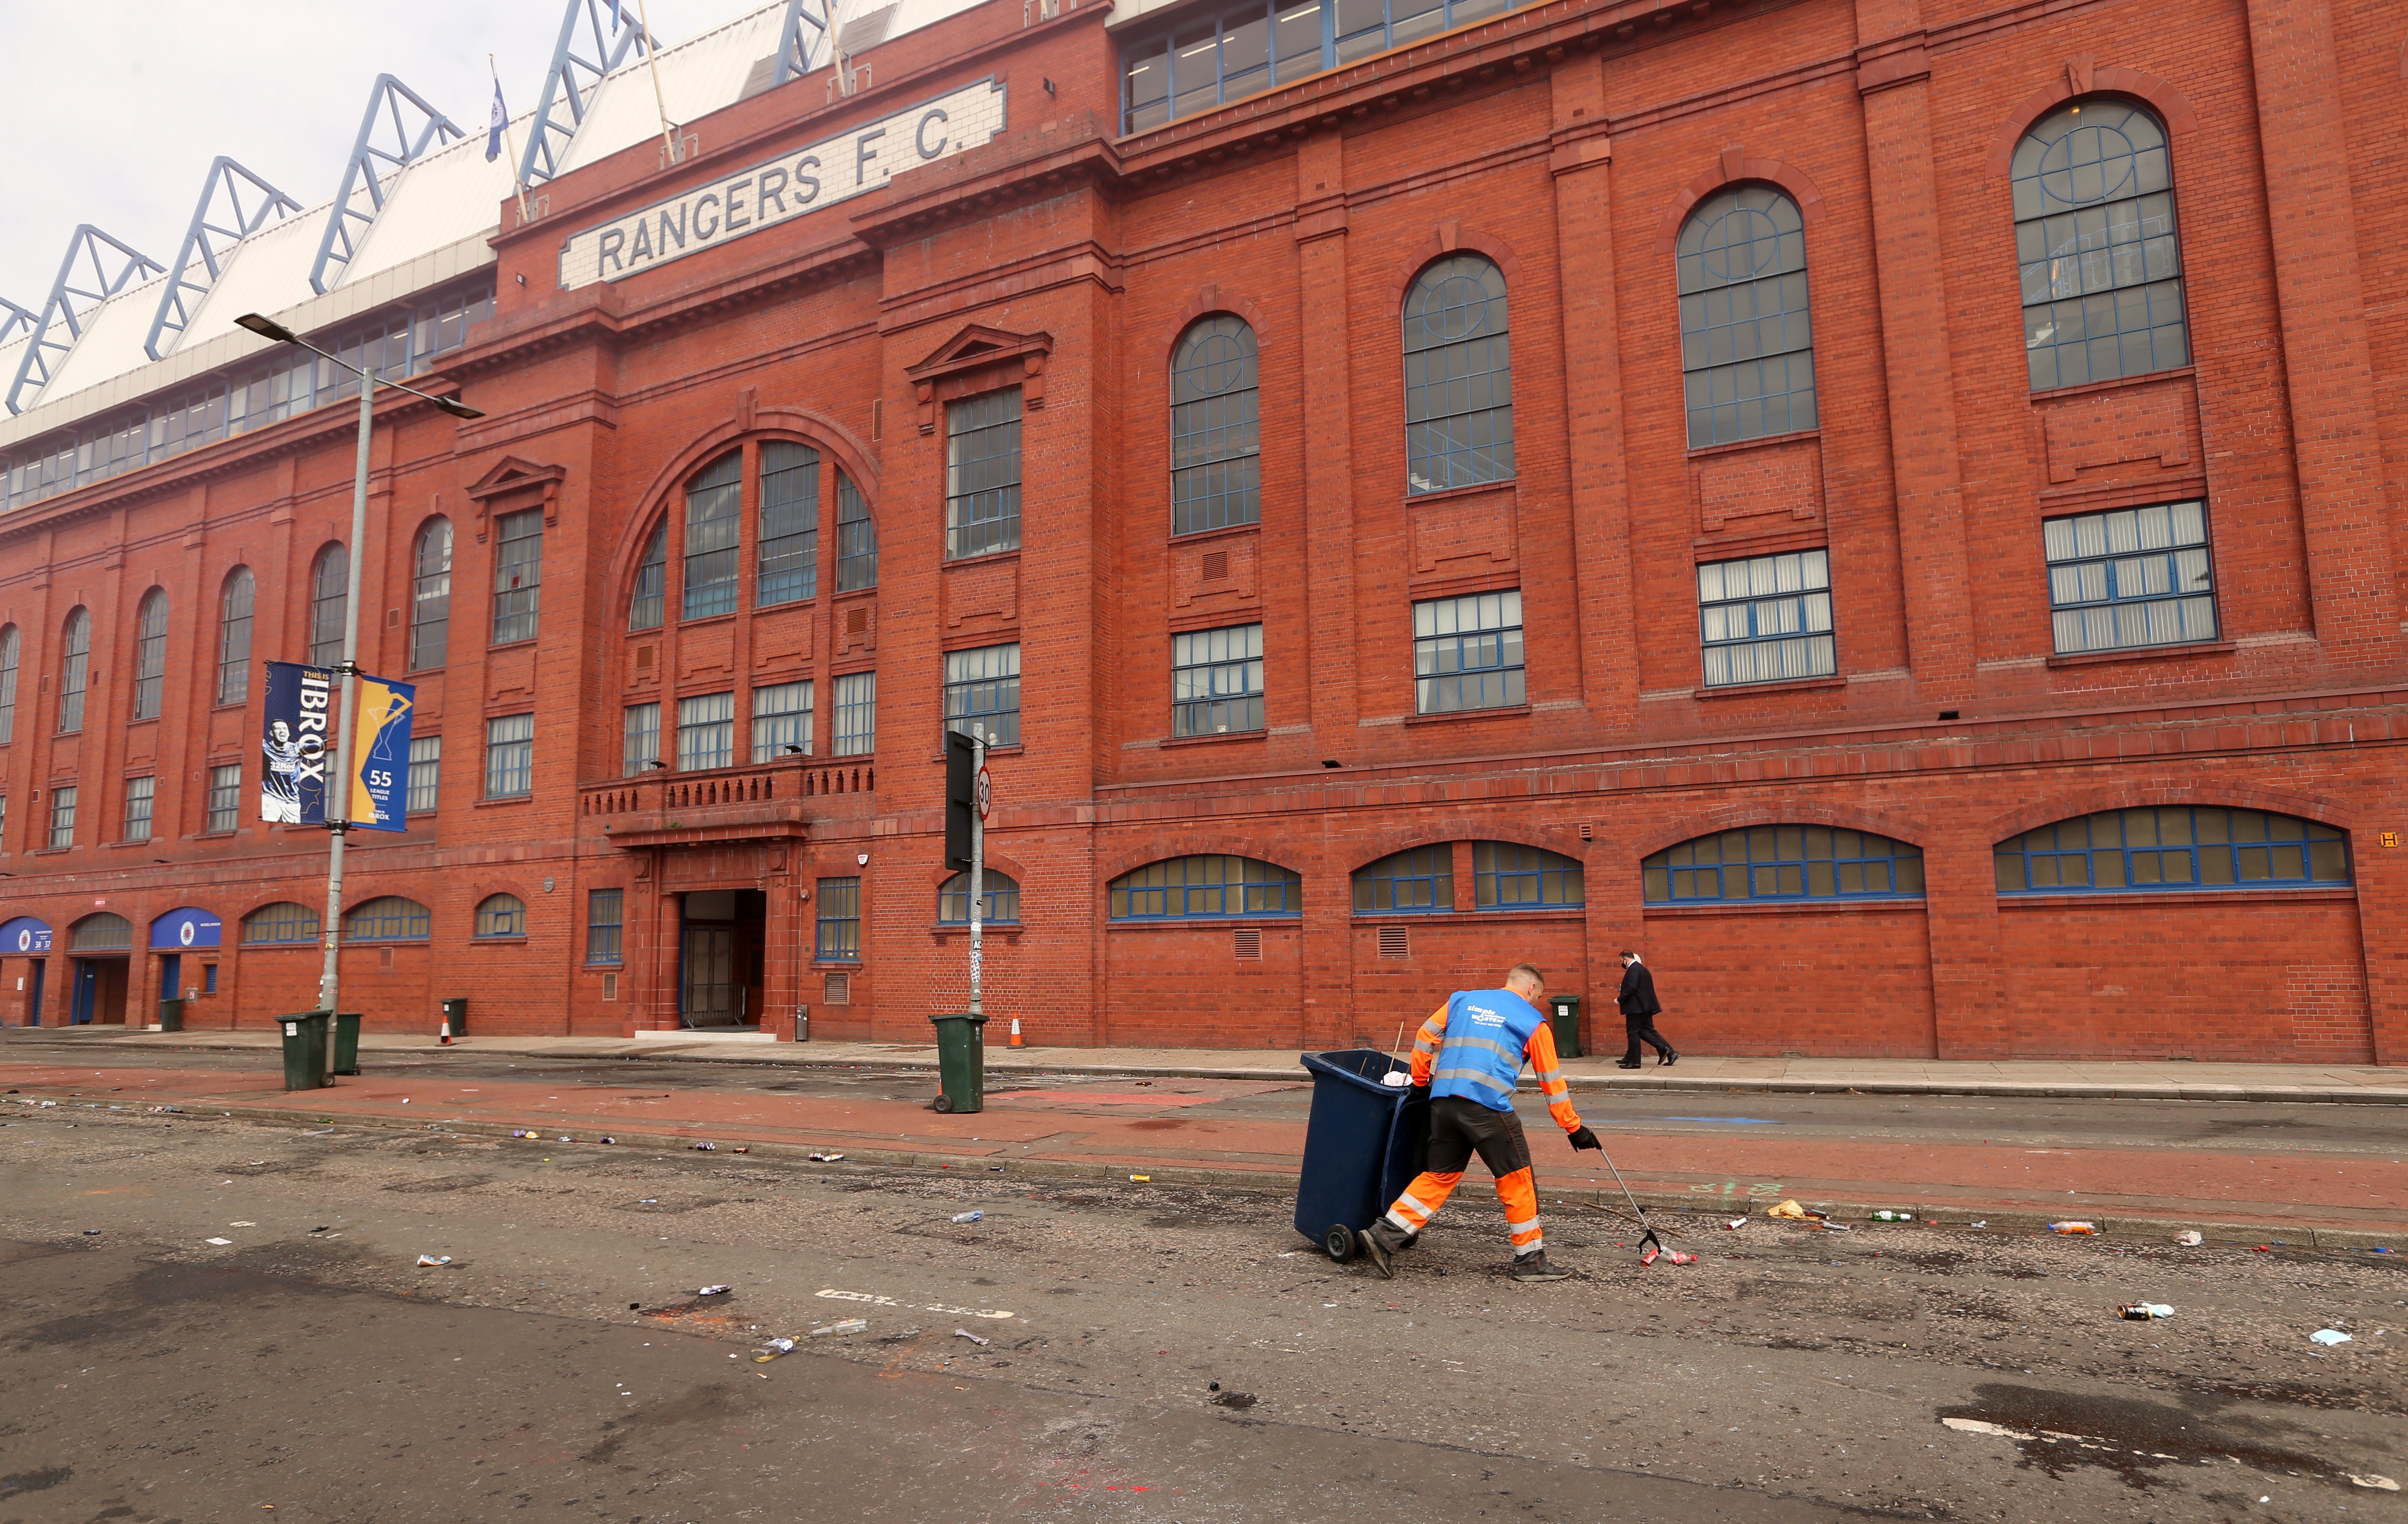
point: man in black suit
(1639, 1010)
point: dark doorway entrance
(99, 992)
(34, 993)
(722, 962)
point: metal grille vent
(1588, 832)
(1394, 943)
(1249, 944)
(609, 986)
(840, 989)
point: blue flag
(493, 131)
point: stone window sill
(2155, 652)
(1173, 742)
(1745, 690)
(1498, 711)
(1734, 446)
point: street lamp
(329, 980)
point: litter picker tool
(1649, 1244)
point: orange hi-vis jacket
(1540, 1052)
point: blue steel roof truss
(579, 61)
(11, 317)
(44, 353)
(224, 191)
(796, 45)
(391, 104)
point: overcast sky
(113, 108)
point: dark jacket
(1637, 995)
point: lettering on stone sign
(766, 194)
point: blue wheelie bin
(1363, 1143)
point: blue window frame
(2177, 846)
(1783, 862)
(1507, 876)
(2133, 577)
(501, 916)
(714, 501)
(282, 924)
(1244, 50)
(1206, 888)
(1413, 881)
(983, 688)
(789, 524)
(1458, 376)
(1000, 890)
(840, 920)
(1468, 653)
(605, 920)
(1216, 680)
(387, 918)
(1766, 619)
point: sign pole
(978, 871)
(339, 782)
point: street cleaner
(1466, 1059)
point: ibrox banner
(804, 180)
(293, 768)
(380, 750)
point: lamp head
(267, 327)
(456, 409)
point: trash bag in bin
(1363, 1143)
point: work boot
(1380, 1242)
(1667, 1059)
(1534, 1267)
(1626, 1063)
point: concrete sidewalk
(2075, 1079)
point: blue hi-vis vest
(1486, 1031)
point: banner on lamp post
(292, 745)
(380, 754)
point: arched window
(1001, 892)
(2177, 846)
(714, 525)
(1505, 876)
(789, 524)
(2095, 238)
(1458, 376)
(387, 918)
(75, 671)
(1407, 883)
(1206, 887)
(101, 933)
(7, 683)
(651, 581)
(282, 924)
(150, 653)
(856, 538)
(430, 595)
(234, 636)
(1747, 343)
(501, 916)
(1783, 862)
(1215, 432)
(329, 596)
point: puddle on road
(2060, 1431)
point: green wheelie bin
(961, 1062)
(347, 1043)
(305, 1049)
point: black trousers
(1642, 1030)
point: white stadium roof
(439, 211)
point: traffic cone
(447, 1029)
(1016, 1032)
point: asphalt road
(565, 1366)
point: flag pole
(508, 146)
(660, 100)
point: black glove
(1585, 1139)
(1421, 1092)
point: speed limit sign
(986, 794)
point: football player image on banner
(381, 753)
(293, 769)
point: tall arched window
(651, 581)
(713, 525)
(1748, 342)
(7, 683)
(430, 595)
(1216, 433)
(234, 636)
(1458, 376)
(789, 524)
(856, 538)
(150, 653)
(329, 596)
(75, 671)
(2095, 238)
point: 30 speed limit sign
(986, 794)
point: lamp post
(337, 821)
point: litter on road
(220, 1242)
(970, 1216)
(2331, 1336)
(2073, 1227)
(2190, 1238)
(715, 1291)
(965, 1333)
(2143, 1312)
(851, 1325)
(705, 1147)
(428, 1261)
(827, 1158)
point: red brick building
(1894, 512)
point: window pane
(640, 733)
(518, 575)
(790, 522)
(705, 731)
(782, 721)
(1458, 376)
(713, 526)
(1216, 680)
(2095, 236)
(856, 714)
(982, 690)
(1746, 332)
(1214, 431)
(982, 474)
(1471, 654)
(2104, 597)
(856, 538)
(430, 595)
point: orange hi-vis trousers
(1459, 1129)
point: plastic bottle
(969, 1216)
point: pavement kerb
(1023, 1061)
(1674, 1212)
